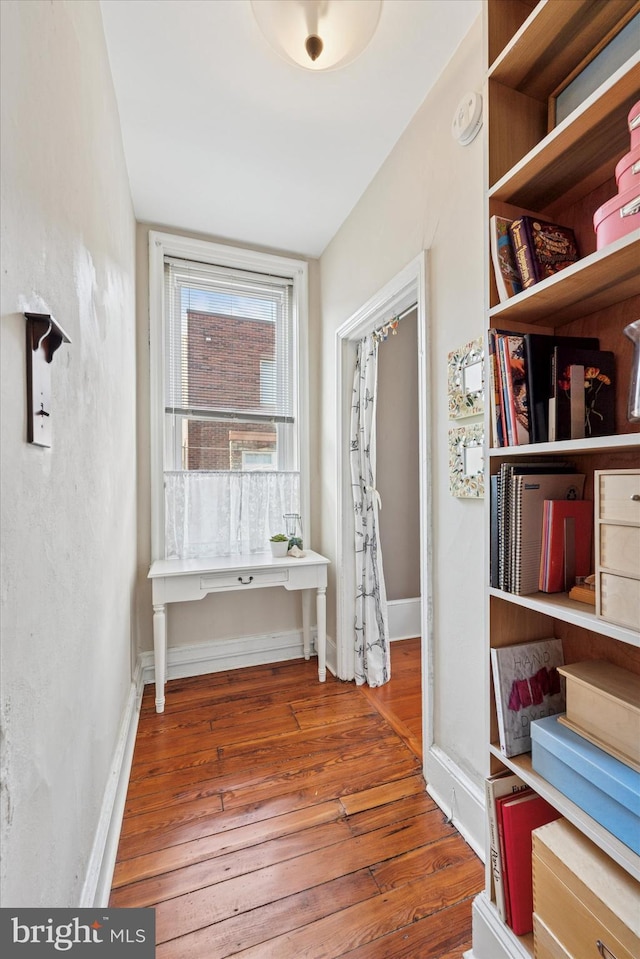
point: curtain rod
(391, 326)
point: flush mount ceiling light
(318, 34)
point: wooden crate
(581, 898)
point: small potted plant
(279, 544)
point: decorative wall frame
(465, 380)
(466, 460)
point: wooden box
(617, 537)
(603, 705)
(584, 903)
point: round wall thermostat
(467, 120)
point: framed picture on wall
(465, 380)
(466, 460)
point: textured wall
(428, 195)
(69, 512)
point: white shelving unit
(563, 174)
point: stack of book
(548, 388)
(527, 250)
(514, 811)
(518, 494)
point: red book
(554, 551)
(517, 818)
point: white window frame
(204, 251)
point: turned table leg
(159, 652)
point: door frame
(407, 288)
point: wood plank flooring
(270, 816)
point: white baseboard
(458, 796)
(405, 618)
(96, 888)
(492, 938)
(217, 655)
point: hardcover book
(505, 270)
(567, 527)
(514, 387)
(517, 817)
(501, 784)
(527, 686)
(584, 379)
(538, 356)
(541, 248)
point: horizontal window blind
(229, 349)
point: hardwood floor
(273, 817)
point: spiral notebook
(528, 495)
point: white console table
(182, 580)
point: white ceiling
(224, 137)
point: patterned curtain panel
(372, 660)
(225, 513)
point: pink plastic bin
(617, 217)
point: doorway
(406, 291)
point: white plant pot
(280, 549)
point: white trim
(492, 938)
(405, 289)
(405, 618)
(168, 244)
(458, 796)
(96, 888)
(217, 655)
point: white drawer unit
(617, 537)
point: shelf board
(552, 42)
(593, 136)
(599, 444)
(559, 606)
(609, 844)
(595, 282)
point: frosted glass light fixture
(318, 34)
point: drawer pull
(636, 497)
(604, 952)
(245, 582)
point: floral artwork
(466, 380)
(466, 461)
(595, 380)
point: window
(227, 361)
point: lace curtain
(225, 513)
(372, 655)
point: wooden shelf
(559, 606)
(569, 161)
(613, 847)
(553, 41)
(595, 282)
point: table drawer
(620, 496)
(619, 600)
(241, 579)
(620, 548)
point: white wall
(68, 513)
(427, 195)
(398, 463)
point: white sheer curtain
(225, 513)
(372, 657)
